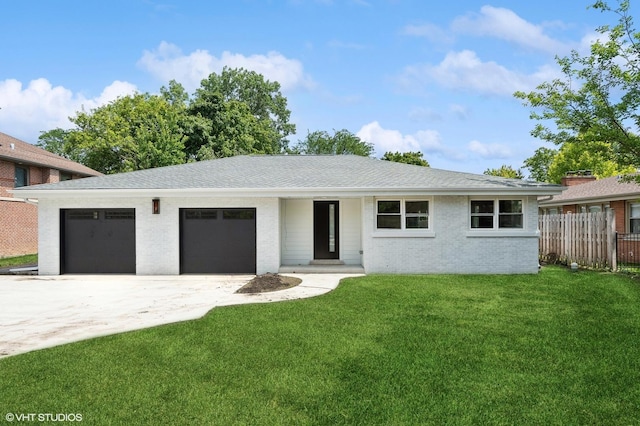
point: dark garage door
(217, 241)
(98, 241)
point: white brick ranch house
(258, 214)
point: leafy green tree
(538, 164)
(55, 141)
(237, 105)
(175, 94)
(341, 142)
(415, 158)
(506, 172)
(550, 165)
(594, 156)
(598, 100)
(224, 129)
(134, 132)
(235, 112)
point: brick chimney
(577, 177)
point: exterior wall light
(155, 206)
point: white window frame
(404, 215)
(496, 214)
(631, 216)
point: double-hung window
(402, 214)
(497, 214)
(634, 218)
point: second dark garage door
(217, 241)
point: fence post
(612, 240)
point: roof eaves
(35, 191)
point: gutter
(277, 192)
(20, 200)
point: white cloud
(40, 106)
(465, 71)
(431, 32)
(168, 62)
(425, 141)
(489, 150)
(505, 24)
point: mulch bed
(269, 282)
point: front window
(482, 214)
(510, 214)
(22, 176)
(416, 214)
(389, 216)
(634, 218)
(501, 214)
(402, 214)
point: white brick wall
(297, 231)
(158, 236)
(452, 248)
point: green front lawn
(556, 348)
(27, 259)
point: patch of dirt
(269, 282)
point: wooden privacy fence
(588, 239)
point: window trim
(496, 215)
(403, 231)
(630, 216)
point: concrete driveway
(43, 311)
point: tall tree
(506, 172)
(134, 132)
(598, 100)
(223, 128)
(235, 112)
(341, 142)
(550, 165)
(538, 164)
(594, 156)
(56, 141)
(415, 158)
(238, 104)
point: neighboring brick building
(24, 164)
(586, 194)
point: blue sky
(406, 75)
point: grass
(553, 348)
(18, 260)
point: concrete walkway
(42, 311)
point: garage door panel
(217, 241)
(98, 241)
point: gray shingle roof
(18, 151)
(607, 188)
(284, 172)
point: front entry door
(325, 230)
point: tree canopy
(131, 133)
(550, 165)
(235, 112)
(506, 172)
(415, 158)
(597, 100)
(238, 112)
(340, 143)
